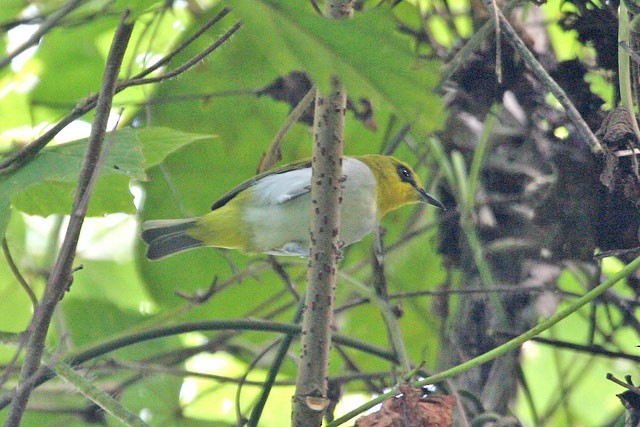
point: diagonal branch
(60, 278)
(27, 153)
(46, 26)
(574, 115)
(84, 355)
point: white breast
(280, 208)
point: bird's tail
(167, 237)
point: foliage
(177, 144)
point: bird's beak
(429, 199)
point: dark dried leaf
(410, 409)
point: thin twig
(394, 142)
(240, 418)
(593, 349)
(498, 43)
(351, 366)
(27, 153)
(182, 46)
(274, 155)
(430, 293)
(60, 277)
(632, 54)
(46, 26)
(462, 56)
(628, 386)
(14, 359)
(44, 374)
(380, 295)
(625, 76)
(95, 394)
(144, 367)
(16, 272)
(190, 63)
(574, 115)
(274, 369)
(279, 269)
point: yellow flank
(392, 191)
(223, 227)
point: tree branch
(60, 277)
(310, 399)
(25, 154)
(506, 347)
(574, 115)
(46, 26)
(44, 373)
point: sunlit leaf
(46, 184)
(364, 52)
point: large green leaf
(71, 64)
(45, 185)
(364, 52)
(108, 320)
(110, 195)
(116, 282)
(156, 398)
(11, 9)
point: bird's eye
(405, 174)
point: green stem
(479, 155)
(389, 318)
(283, 348)
(624, 68)
(83, 355)
(467, 186)
(506, 347)
(97, 396)
(541, 74)
(19, 277)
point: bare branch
(46, 26)
(25, 154)
(574, 115)
(60, 277)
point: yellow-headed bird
(270, 213)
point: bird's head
(398, 184)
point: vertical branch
(310, 400)
(60, 277)
(625, 74)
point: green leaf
(45, 185)
(11, 9)
(139, 7)
(110, 281)
(62, 82)
(158, 142)
(157, 399)
(110, 195)
(108, 320)
(364, 52)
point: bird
(270, 213)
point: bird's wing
(281, 184)
(282, 187)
